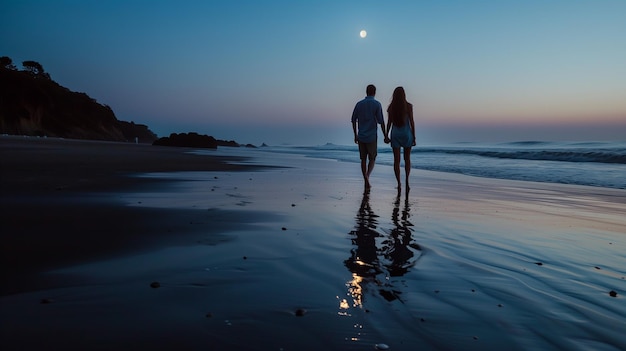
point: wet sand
(296, 257)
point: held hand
(387, 140)
(414, 142)
(356, 140)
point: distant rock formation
(193, 139)
(187, 140)
(230, 143)
(31, 103)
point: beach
(122, 246)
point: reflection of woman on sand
(399, 248)
(400, 122)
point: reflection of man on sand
(363, 262)
(399, 249)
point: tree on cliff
(7, 63)
(35, 68)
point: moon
(363, 33)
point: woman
(402, 126)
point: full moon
(363, 33)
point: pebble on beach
(300, 312)
(155, 285)
(381, 347)
(613, 293)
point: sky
(290, 72)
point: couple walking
(367, 115)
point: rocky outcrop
(188, 140)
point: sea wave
(580, 155)
(599, 152)
(600, 164)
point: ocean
(600, 164)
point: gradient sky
(291, 71)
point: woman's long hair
(398, 109)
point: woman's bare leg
(407, 165)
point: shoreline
(32, 165)
(296, 256)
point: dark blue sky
(291, 71)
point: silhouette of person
(402, 126)
(367, 114)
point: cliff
(31, 103)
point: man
(368, 113)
